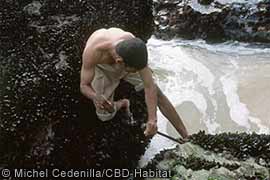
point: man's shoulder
(99, 31)
(97, 36)
(96, 40)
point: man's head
(133, 52)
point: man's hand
(102, 103)
(184, 134)
(151, 128)
(183, 140)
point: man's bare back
(101, 40)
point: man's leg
(167, 109)
(122, 103)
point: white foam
(238, 111)
(172, 58)
(209, 80)
(183, 76)
(187, 77)
(235, 47)
(203, 9)
(262, 128)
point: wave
(236, 47)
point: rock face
(44, 120)
(224, 156)
(205, 2)
(216, 21)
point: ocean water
(214, 87)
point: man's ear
(119, 60)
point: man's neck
(110, 53)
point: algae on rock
(194, 161)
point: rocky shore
(213, 20)
(224, 156)
(46, 122)
(44, 119)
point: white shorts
(105, 83)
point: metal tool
(180, 140)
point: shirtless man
(113, 54)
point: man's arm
(167, 109)
(151, 101)
(87, 76)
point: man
(113, 54)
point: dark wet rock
(240, 145)
(205, 2)
(216, 21)
(227, 156)
(44, 119)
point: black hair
(134, 53)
